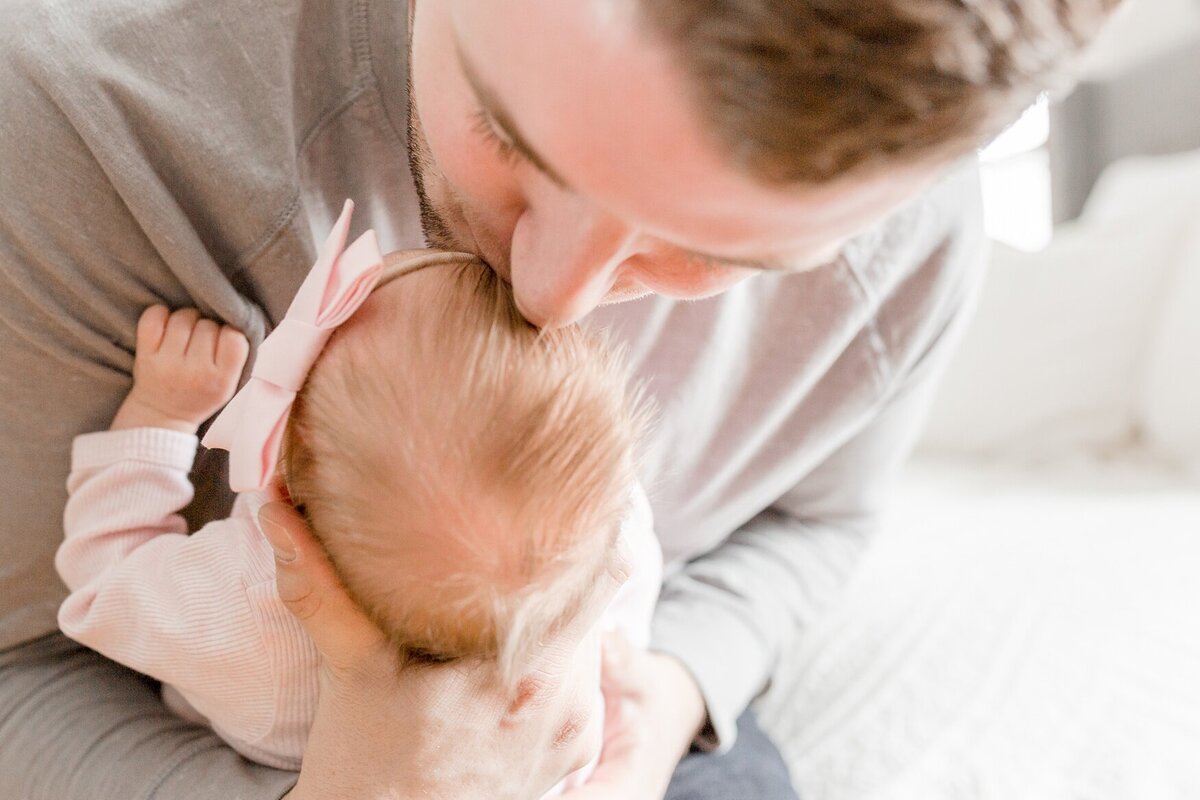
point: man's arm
(729, 614)
(723, 622)
(75, 725)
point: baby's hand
(184, 369)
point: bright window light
(1015, 171)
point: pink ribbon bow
(251, 426)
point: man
(591, 151)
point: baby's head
(466, 473)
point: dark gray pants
(752, 770)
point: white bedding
(1027, 625)
(1020, 631)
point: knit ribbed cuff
(724, 655)
(160, 446)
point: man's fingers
(151, 327)
(624, 727)
(311, 590)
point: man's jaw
(445, 224)
(438, 231)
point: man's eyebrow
(503, 120)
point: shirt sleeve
(125, 488)
(729, 614)
(183, 609)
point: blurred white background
(1028, 625)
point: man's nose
(566, 256)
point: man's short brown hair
(806, 91)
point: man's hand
(653, 711)
(433, 733)
(184, 369)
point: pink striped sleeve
(197, 612)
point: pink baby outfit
(200, 612)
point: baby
(468, 475)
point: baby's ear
(277, 490)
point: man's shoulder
(926, 265)
(194, 109)
(937, 235)
(893, 290)
(68, 40)
(89, 64)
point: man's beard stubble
(433, 224)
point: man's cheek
(445, 111)
(469, 164)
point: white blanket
(1029, 630)
(1019, 632)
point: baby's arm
(145, 594)
(127, 486)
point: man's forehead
(605, 102)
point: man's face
(558, 141)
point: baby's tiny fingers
(203, 343)
(151, 327)
(232, 349)
(179, 329)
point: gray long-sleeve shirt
(185, 152)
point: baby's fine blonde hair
(465, 472)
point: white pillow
(1167, 189)
(1093, 339)
(1049, 360)
(1170, 402)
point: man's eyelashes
(483, 126)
